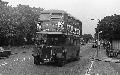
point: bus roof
(43, 32)
(53, 11)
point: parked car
(82, 43)
(4, 53)
(94, 45)
(112, 53)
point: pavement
(102, 67)
(21, 49)
(103, 57)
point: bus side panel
(72, 51)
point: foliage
(87, 37)
(17, 23)
(110, 27)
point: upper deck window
(54, 18)
(44, 16)
(60, 14)
(45, 13)
(50, 39)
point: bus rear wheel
(61, 62)
(36, 60)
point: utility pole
(98, 38)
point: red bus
(57, 39)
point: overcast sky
(84, 10)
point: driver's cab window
(78, 42)
(72, 41)
(75, 42)
(68, 41)
(56, 39)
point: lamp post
(98, 37)
(98, 40)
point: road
(103, 66)
(21, 63)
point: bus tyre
(111, 54)
(77, 56)
(115, 54)
(108, 54)
(61, 62)
(36, 61)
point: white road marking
(24, 59)
(17, 59)
(117, 73)
(89, 69)
(4, 64)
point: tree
(87, 37)
(110, 27)
(29, 16)
(4, 21)
(17, 23)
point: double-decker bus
(57, 38)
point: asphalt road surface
(21, 63)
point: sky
(84, 10)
